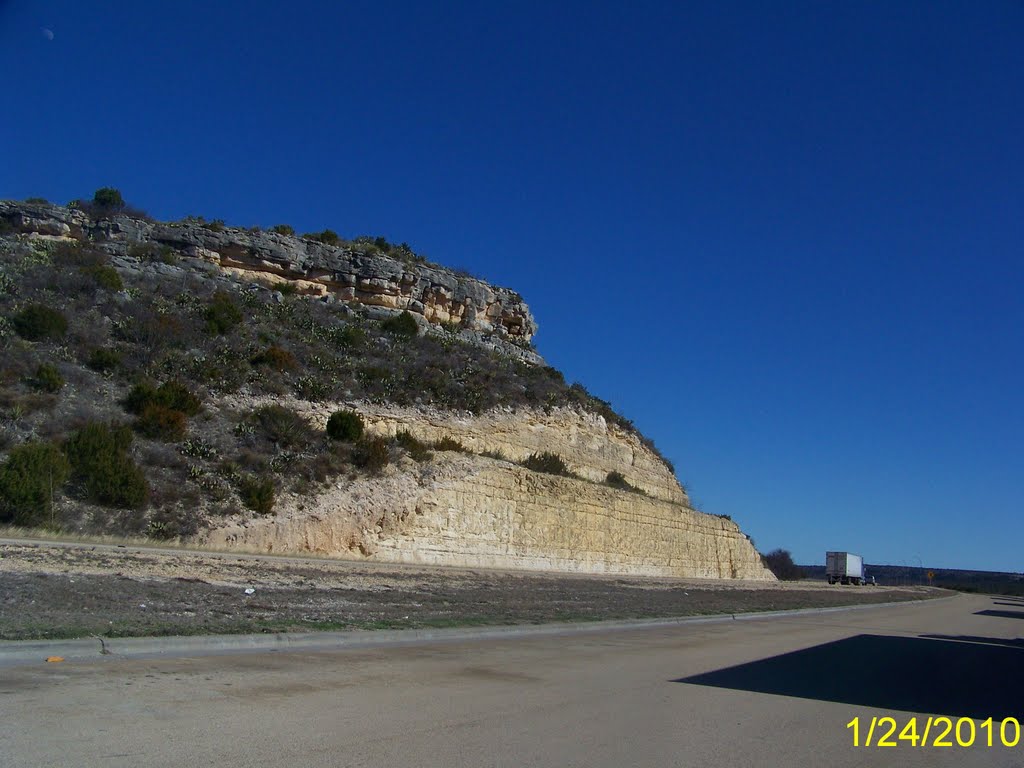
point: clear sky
(784, 238)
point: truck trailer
(844, 567)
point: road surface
(768, 692)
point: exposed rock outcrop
(478, 509)
(478, 512)
(439, 295)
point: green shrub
(48, 379)
(283, 426)
(345, 425)
(548, 462)
(78, 254)
(618, 480)
(171, 394)
(780, 562)
(106, 277)
(29, 478)
(313, 387)
(371, 453)
(153, 252)
(37, 322)
(449, 444)
(37, 201)
(99, 459)
(222, 314)
(349, 336)
(258, 493)
(403, 326)
(283, 229)
(108, 200)
(162, 423)
(417, 449)
(327, 237)
(277, 358)
(103, 360)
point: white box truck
(844, 567)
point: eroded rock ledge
(477, 512)
(481, 511)
(437, 294)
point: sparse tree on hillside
(108, 200)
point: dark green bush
(48, 379)
(403, 326)
(548, 462)
(417, 449)
(345, 425)
(258, 493)
(313, 387)
(328, 237)
(103, 360)
(449, 444)
(162, 423)
(283, 229)
(349, 336)
(618, 480)
(153, 252)
(106, 277)
(108, 200)
(37, 322)
(780, 562)
(283, 427)
(371, 453)
(171, 394)
(277, 358)
(78, 254)
(29, 479)
(222, 314)
(101, 464)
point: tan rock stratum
(474, 511)
(457, 509)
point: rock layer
(345, 273)
(586, 442)
(479, 512)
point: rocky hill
(251, 388)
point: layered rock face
(484, 513)
(588, 445)
(457, 509)
(476, 511)
(438, 295)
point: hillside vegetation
(121, 360)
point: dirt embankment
(52, 591)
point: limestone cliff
(477, 511)
(346, 273)
(149, 324)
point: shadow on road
(1012, 605)
(1001, 614)
(972, 677)
(1007, 642)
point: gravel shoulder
(50, 591)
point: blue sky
(784, 238)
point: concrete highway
(767, 692)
